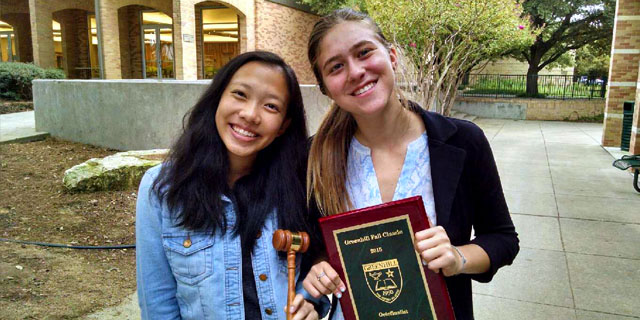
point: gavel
(291, 242)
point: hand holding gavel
(291, 242)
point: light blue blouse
(414, 180)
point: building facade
(162, 39)
(624, 76)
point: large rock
(120, 171)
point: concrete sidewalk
(19, 127)
(579, 224)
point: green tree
(564, 25)
(442, 39)
(593, 59)
(439, 40)
(325, 6)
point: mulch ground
(56, 283)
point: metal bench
(627, 162)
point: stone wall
(130, 114)
(531, 109)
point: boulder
(120, 171)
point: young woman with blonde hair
(374, 147)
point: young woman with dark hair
(206, 216)
(374, 147)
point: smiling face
(357, 69)
(252, 111)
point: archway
(8, 46)
(72, 42)
(218, 40)
(146, 43)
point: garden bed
(15, 106)
(39, 282)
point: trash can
(627, 123)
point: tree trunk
(532, 82)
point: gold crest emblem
(384, 279)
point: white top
(414, 180)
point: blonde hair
(327, 168)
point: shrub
(16, 77)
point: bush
(16, 77)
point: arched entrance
(146, 43)
(72, 43)
(8, 46)
(217, 36)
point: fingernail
(339, 295)
(292, 309)
(343, 289)
(424, 263)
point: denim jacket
(183, 274)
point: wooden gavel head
(285, 240)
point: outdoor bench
(630, 161)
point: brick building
(136, 39)
(624, 76)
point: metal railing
(549, 86)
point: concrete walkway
(19, 127)
(579, 224)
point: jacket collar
(447, 162)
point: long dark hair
(195, 174)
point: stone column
(41, 33)
(110, 39)
(184, 40)
(623, 70)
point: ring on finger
(320, 275)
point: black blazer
(467, 193)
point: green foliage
(443, 39)
(566, 25)
(592, 60)
(16, 77)
(488, 27)
(323, 7)
(566, 87)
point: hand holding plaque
(372, 249)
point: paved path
(579, 225)
(19, 127)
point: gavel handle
(291, 266)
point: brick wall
(285, 31)
(130, 41)
(75, 42)
(623, 71)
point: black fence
(549, 86)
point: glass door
(8, 47)
(158, 52)
(165, 45)
(150, 53)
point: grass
(548, 87)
